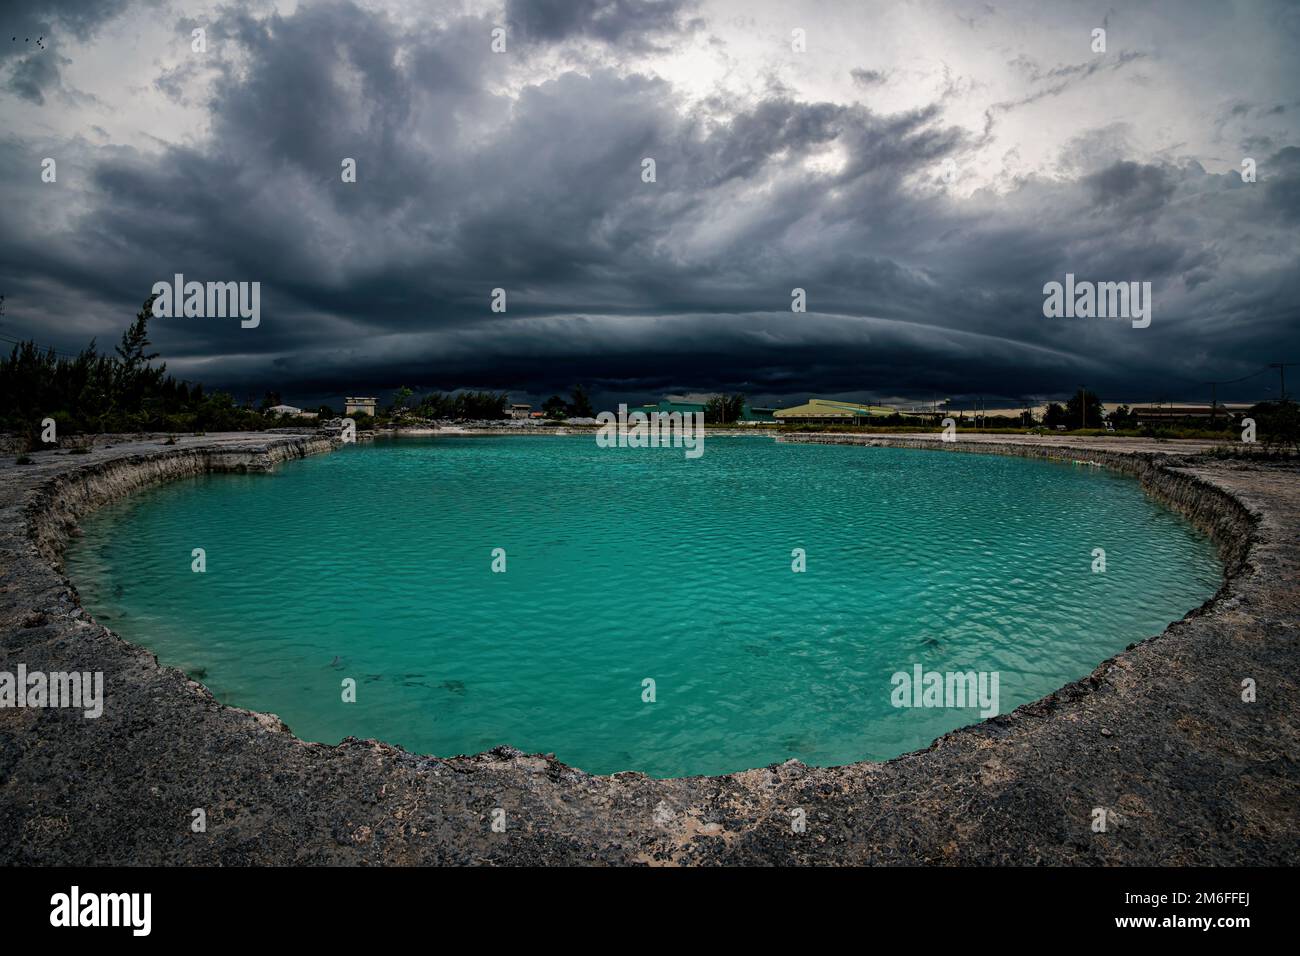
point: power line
(1234, 381)
(38, 345)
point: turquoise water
(374, 563)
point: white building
(352, 406)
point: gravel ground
(1158, 736)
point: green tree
(122, 391)
(1055, 415)
(580, 405)
(724, 409)
(1091, 414)
(401, 399)
(1278, 423)
(555, 407)
(134, 348)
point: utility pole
(1214, 399)
(1281, 371)
(1083, 409)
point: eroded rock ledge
(1158, 735)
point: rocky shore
(1159, 736)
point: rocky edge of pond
(1158, 736)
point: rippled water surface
(624, 564)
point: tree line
(119, 392)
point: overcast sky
(822, 169)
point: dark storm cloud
(864, 77)
(679, 285)
(1282, 185)
(1137, 187)
(79, 17)
(32, 75)
(633, 23)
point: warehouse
(822, 411)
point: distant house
(1177, 411)
(290, 410)
(748, 415)
(670, 406)
(353, 406)
(520, 411)
(757, 415)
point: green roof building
(756, 414)
(749, 414)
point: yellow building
(823, 411)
